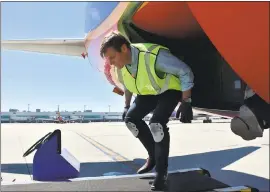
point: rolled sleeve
(168, 63)
(186, 78)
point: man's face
(118, 59)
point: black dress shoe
(160, 182)
(148, 166)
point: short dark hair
(115, 40)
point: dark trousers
(162, 106)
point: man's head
(116, 48)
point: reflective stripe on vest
(152, 80)
(147, 65)
(155, 86)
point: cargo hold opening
(216, 84)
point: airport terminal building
(47, 117)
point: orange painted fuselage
(238, 30)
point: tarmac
(105, 149)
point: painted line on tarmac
(110, 153)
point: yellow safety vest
(146, 81)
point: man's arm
(128, 96)
(186, 94)
(168, 63)
(127, 93)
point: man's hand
(125, 112)
(186, 112)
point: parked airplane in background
(225, 43)
(49, 119)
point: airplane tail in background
(67, 47)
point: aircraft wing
(68, 47)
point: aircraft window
(96, 13)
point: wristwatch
(188, 100)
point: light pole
(28, 107)
(57, 108)
(84, 108)
(109, 108)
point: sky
(43, 80)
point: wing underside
(68, 47)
